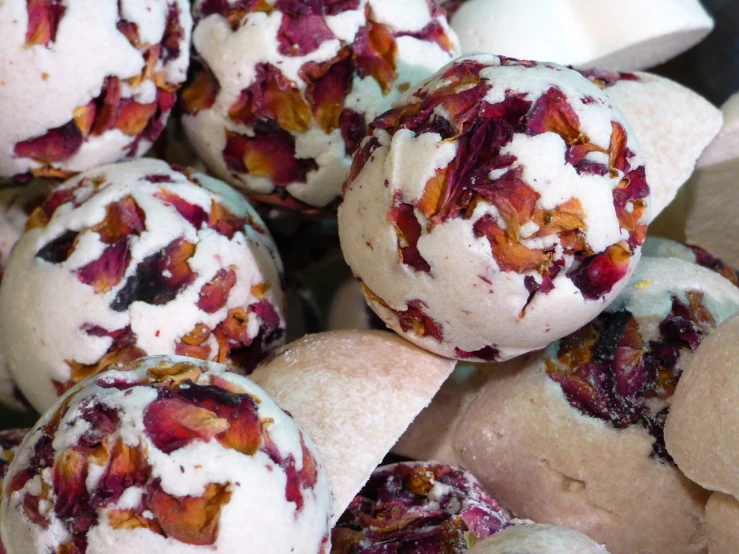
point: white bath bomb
(625, 35)
(171, 455)
(497, 187)
(136, 259)
(87, 82)
(284, 89)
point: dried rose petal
(128, 466)
(173, 33)
(171, 424)
(408, 230)
(107, 271)
(193, 213)
(123, 218)
(374, 54)
(189, 519)
(224, 222)
(353, 129)
(43, 21)
(134, 117)
(57, 145)
(84, 117)
(301, 31)
(598, 274)
(330, 83)
(272, 96)
(269, 153)
(509, 254)
(214, 295)
(108, 106)
(553, 113)
(59, 249)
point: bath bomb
(499, 187)
(714, 192)
(673, 124)
(16, 204)
(575, 437)
(87, 82)
(354, 392)
(538, 539)
(625, 35)
(284, 90)
(423, 507)
(171, 455)
(136, 259)
(657, 247)
(699, 429)
(722, 519)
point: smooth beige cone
(431, 435)
(673, 124)
(700, 432)
(713, 192)
(538, 539)
(722, 523)
(547, 462)
(355, 393)
(625, 35)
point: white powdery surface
(41, 86)
(252, 512)
(234, 56)
(54, 319)
(474, 301)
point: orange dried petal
(122, 219)
(175, 373)
(172, 424)
(509, 254)
(569, 216)
(84, 117)
(201, 93)
(134, 117)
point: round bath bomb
(137, 259)
(65, 110)
(656, 247)
(16, 204)
(538, 539)
(168, 455)
(284, 90)
(699, 431)
(498, 187)
(349, 309)
(626, 35)
(576, 436)
(722, 524)
(423, 507)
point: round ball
(168, 455)
(499, 207)
(576, 436)
(137, 259)
(406, 505)
(284, 90)
(87, 82)
(538, 539)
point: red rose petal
(193, 213)
(134, 117)
(43, 21)
(57, 145)
(224, 222)
(301, 32)
(330, 83)
(214, 295)
(598, 274)
(171, 424)
(201, 93)
(553, 113)
(108, 106)
(123, 218)
(107, 271)
(408, 230)
(374, 54)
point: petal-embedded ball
(87, 82)
(137, 259)
(498, 207)
(168, 455)
(285, 89)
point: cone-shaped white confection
(538, 539)
(496, 187)
(722, 524)
(87, 82)
(672, 123)
(169, 455)
(726, 145)
(285, 90)
(354, 392)
(135, 259)
(627, 35)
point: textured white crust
(537, 539)
(234, 55)
(722, 524)
(713, 192)
(626, 35)
(14, 206)
(673, 124)
(258, 517)
(548, 462)
(355, 393)
(41, 87)
(699, 430)
(45, 307)
(465, 284)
